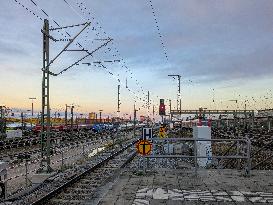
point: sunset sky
(222, 49)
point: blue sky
(223, 45)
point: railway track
(79, 185)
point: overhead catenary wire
(158, 30)
(43, 11)
(84, 12)
(116, 77)
(59, 30)
(29, 10)
(59, 26)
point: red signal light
(162, 109)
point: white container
(203, 147)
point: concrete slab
(167, 186)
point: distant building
(265, 113)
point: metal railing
(243, 149)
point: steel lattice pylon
(45, 118)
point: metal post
(72, 116)
(252, 119)
(26, 173)
(62, 167)
(2, 121)
(32, 105)
(245, 122)
(170, 101)
(22, 120)
(248, 158)
(195, 156)
(179, 91)
(237, 153)
(148, 100)
(148, 106)
(118, 98)
(168, 143)
(31, 110)
(65, 115)
(135, 121)
(113, 139)
(144, 164)
(100, 115)
(234, 123)
(126, 126)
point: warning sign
(144, 147)
(162, 132)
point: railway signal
(162, 108)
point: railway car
(38, 128)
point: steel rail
(58, 190)
(260, 163)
